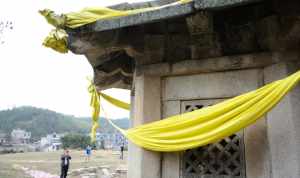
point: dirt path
(37, 173)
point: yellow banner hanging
(209, 124)
(95, 105)
(116, 102)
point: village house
(51, 142)
(111, 140)
(19, 136)
(187, 56)
(3, 138)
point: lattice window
(224, 159)
(189, 108)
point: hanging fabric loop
(209, 124)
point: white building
(3, 138)
(19, 136)
(111, 140)
(51, 142)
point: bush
(75, 141)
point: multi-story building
(3, 138)
(111, 140)
(51, 142)
(19, 136)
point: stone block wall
(212, 88)
(270, 145)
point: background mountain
(41, 122)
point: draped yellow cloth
(210, 124)
(84, 17)
(95, 105)
(116, 102)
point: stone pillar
(171, 161)
(284, 126)
(257, 156)
(147, 108)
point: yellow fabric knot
(57, 21)
(57, 40)
(84, 17)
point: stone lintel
(219, 64)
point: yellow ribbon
(95, 105)
(210, 124)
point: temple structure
(188, 56)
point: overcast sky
(33, 75)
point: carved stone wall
(244, 154)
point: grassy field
(49, 162)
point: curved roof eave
(171, 11)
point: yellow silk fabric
(53, 19)
(92, 14)
(116, 102)
(83, 17)
(210, 124)
(95, 105)
(57, 40)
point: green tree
(41, 122)
(75, 141)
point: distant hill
(41, 122)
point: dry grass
(50, 162)
(8, 171)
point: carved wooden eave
(197, 30)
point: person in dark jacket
(65, 162)
(122, 151)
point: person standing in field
(88, 152)
(122, 151)
(65, 162)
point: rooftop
(168, 9)
(175, 31)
